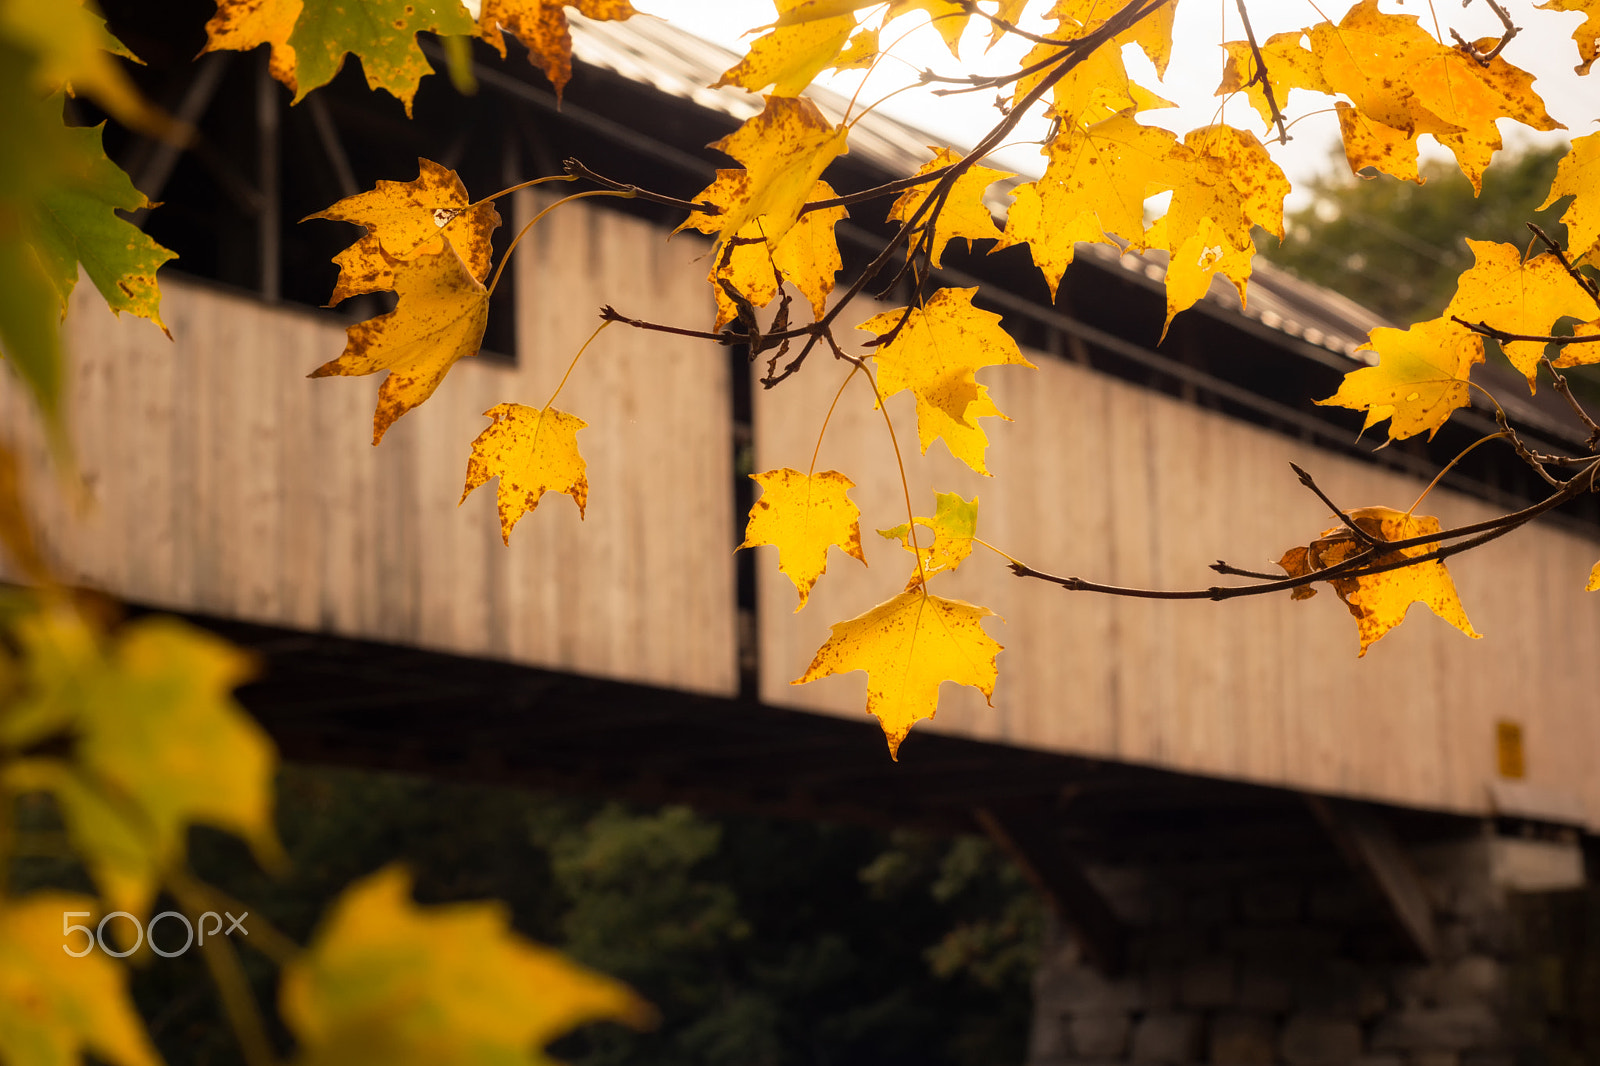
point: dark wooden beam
(1368, 843)
(1027, 834)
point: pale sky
(1545, 48)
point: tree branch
(1261, 76)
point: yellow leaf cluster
(1506, 292)
(1379, 602)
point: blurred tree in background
(1399, 248)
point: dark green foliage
(1397, 247)
(761, 942)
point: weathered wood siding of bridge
(1117, 484)
(226, 483)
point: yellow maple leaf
(1289, 65)
(1153, 33)
(860, 52)
(1368, 57)
(1463, 92)
(247, 24)
(158, 745)
(935, 354)
(1379, 602)
(1594, 579)
(949, 17)
(784, 150)
(807, 257)
(439, 319)
(803, 516)
(963, 214)
(954, 524)
(1369, 143)
(532, 450)
(1509, 293)
(541, 26)
(789, 57)
(54, 1007)
(388, 982)
(1095, 89)
(1578, 176)
(1587, 35)
(1224, 183)
(1093, 187)
(1420, 378)
(406, 219)
(909, 645)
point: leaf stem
(1447, 467)
(574, 365)
(854, 369)
(519, 187)
(523, 232)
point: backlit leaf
(1094, 186)
(1420, 378)
(1290, 65)
(963, 214)
(784, 150)
(1379, 601)
(787, 58)
(1578, 176)
(1587, 35)
(935, 355)
(532, 450)
(909, 646)
(407, 219)
(803, 516)
(949, 17)
(807, 257)
(541, 26)
(953, 525)
(54, 1008)
(388, 983)
(1369, 143)
(438, 320)
(243, 25)
(1509, 293)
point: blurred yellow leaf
(803, 516)
(909, 646)
(159, 743)
(54, 1007)
(532, 451)
(790, 56)
(388, 983)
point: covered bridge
(1260, 847)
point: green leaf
(381, 33)
(77, 223)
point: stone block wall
(1252, 964)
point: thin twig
(1560, 382)
(1584, 281)
(576, 169)
(1261, 76)
(1503, 337)
(1349, 523)
(1366, 563)
(611, 314)
(1485, 58)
